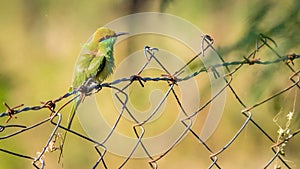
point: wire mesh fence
(278, 142)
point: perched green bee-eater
(95, 63)
(98, 61)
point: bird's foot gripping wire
(86, 89)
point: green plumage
(95, 62)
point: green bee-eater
(95, 63)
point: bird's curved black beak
(121, 33)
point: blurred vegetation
(40, 41)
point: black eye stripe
(106, 37)
(103, 38)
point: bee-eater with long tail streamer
(95, 63)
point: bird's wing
(96, 66)
(80, 74)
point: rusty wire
(172, 80)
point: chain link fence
(248, 110)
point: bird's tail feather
(76, 103)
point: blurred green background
(40, 41)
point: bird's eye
(103, 38)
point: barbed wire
(277, 145)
